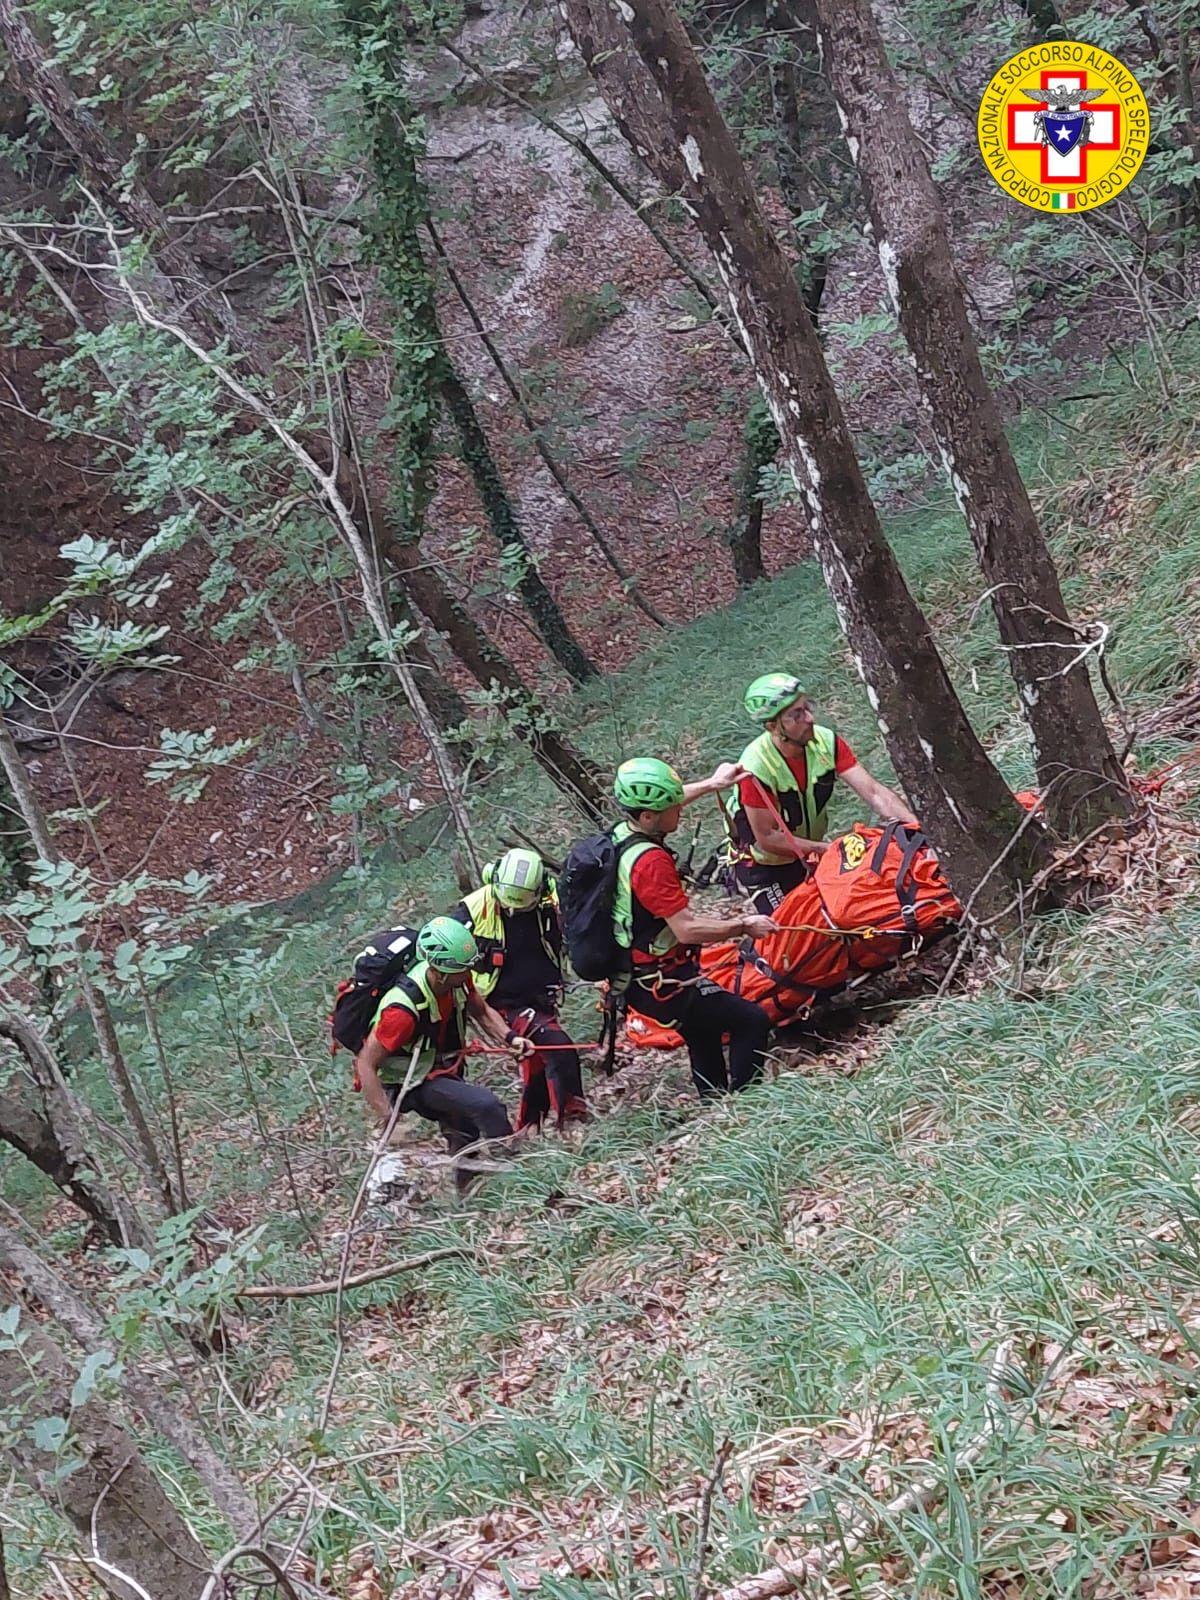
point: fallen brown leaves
(1103, 1393)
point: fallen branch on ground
(788, 1576)
(300, 1291)
(706, 1503)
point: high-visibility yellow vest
(804, 810)
(412, 991)
(486, 920)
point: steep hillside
(929, 1294)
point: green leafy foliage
(188, 761)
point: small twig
(538, 435)
(339, 1328)
(257, 1553)
(113, 1572)
(706, 1505)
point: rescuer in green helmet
(778, 813)
(654, 920)
(515, 918)
(419, 1037)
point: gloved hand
(520, 1046)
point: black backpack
(587, 890)
(385, 958)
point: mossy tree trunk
(138, 1542)
(420, 366)
(760, 437)
(505, 524)
(425, 381)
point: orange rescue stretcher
(876, 894)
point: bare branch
(791, 1575)
(302, 1291)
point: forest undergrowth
(684, 1344)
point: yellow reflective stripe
(623, 899)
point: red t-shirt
(397, 1025)
(750, 791)
(654, 879)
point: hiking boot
(576, 1113)
(505, 1150)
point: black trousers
(766, 886)
(552, 1082)
(701, 1014)
(465, 1112)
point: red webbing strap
(782, 825)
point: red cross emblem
(1058, 168)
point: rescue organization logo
(852, 848)
(1063, 126)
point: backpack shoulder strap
(412, 990)
(916, 843)
(420, 1004)
(632, 839)
(886, 839)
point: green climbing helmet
(447, 945)
(772, 694)
(645, 784)
(517, 879)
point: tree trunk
(502, 518)
(446, 704)
(629, 583)
(1081, 779)
(402, 209)
(174, 280)
(760, 435)
(561, 761)
(637, 109)
(134, 1540)
(107, 1041)
(358, 542)
(14, 852)
(160, 1410)
(760, 447)
(961, 798)
(564, 765)
(28, 1131)
(170, 266)
(76, 1139)
(424, 376)
(786, 98)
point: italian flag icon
(1062, 202)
